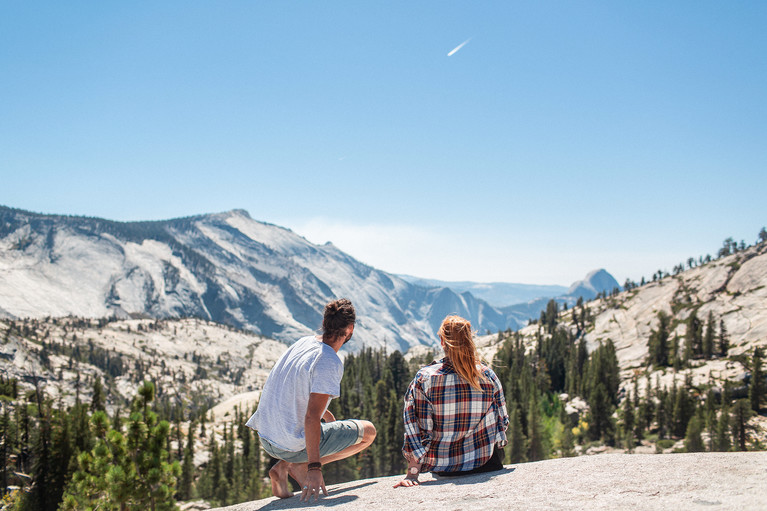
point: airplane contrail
(458, 47)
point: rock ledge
(711, 481)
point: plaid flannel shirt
(449, 425)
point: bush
(665, 443)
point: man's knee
(368, 432)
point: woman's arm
(417, 439)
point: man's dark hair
(339, 314)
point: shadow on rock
(355, 487)
(468, 479)
(295, 502)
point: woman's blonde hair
(455, 333)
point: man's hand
(313, 485)
(328, 417)
(408, 481)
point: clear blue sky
(563, 137)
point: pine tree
(126, 471)
(600, 424)
(628, 423)
(380, 413)
(710, 419)
(724, 343)
(677, 358)
(395, 429)
(42, 497)
(756, 389)
(762, 235)
(187, 467)
(516, 438)
(683, 408)
(663, 413)
(534, 432)
(221, 491)
(550, 317)
(567, 442)
(695, 329)
(179, 436)
(63, 455)
(722, 442)
(97, 402)
(708, 339)
(739, 416)
(693, 441)
(657, 344)
(229, 450)
(5, 442)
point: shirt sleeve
(499, 405)
(326, 375)
(418, 421)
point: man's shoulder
(309, 340)
(305, 344)
(327, 357)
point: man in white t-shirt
(295, 401)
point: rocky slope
(732, 288)
(721, 481)
(194, 362)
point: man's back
(307, 366)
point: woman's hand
(413, 469)
(408, 481)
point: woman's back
(449, 424)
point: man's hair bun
(339, 314)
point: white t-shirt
(308, 366)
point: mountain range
(228, 268)
(497, 294)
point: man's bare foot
(298, 471)
(279, 476)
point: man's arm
(314, 413)
(313, 432)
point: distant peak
(593, 274)
(596, 281)
(240, 212)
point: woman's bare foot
(279, 476)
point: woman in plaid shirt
(455, 411)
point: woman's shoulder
(487, 371)
(436, 367)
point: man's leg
(298, 471)
(278, 474)
(368, 435)
(280, 471)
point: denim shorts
(336, 436)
